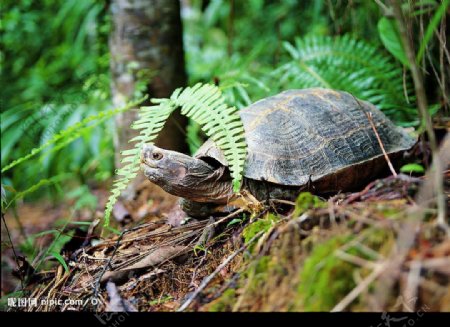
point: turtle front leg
(201, 210)
(186, 209)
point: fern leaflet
(150, 123)
(205, 105)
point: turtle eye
(157, 155)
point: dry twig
(208, 279)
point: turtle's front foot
(204, 210)
(177, 217)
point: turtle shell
(299, 136)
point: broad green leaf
(431, 28)
(234, 221)
(412, 168)
(61, 260)
(391, 39)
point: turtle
(322, 140)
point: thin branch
(428, 190)
(234, 214)
(370, 119)
(13, 249)
(106, 266)
(382, 6)
(413, 283)
(355, 259)
(208, 279)
(391, 167)
(350, 297)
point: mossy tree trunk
(146, 47)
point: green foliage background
(54, 74)
(55, 85)
(55, 69)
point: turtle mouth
(145, 164)
(151, 171)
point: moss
(161, 300)
(306, 201)
(224, 302)
(258, 273)
(302, 275)
(251, 285)
(390, 210)
(325, 279)
(260, 225)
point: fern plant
(67, 136)
(31, 125)
(351, 65)
(55, 73)
(204, 104)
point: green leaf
(113, 230)
(150, 123)
(434, 109)
(80, 223)
(431, 28)
(391, 39)
(412, 168)
(61, 260)
(234, 221)
(260, 225)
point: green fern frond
(150, 123)
(68, 135)
(205, 105)
(35, 187)
(351, 65)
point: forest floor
(373, 250)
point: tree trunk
(146, 46)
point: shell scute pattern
(302, 135)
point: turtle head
(184, 176)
